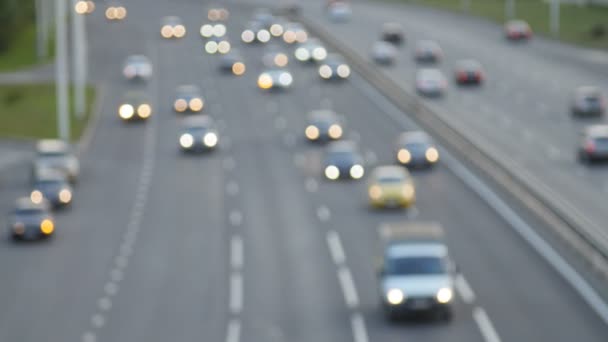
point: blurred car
(198, 134)
(213, 30)
(339, 11)
(588, 101)
(294, 33)
(31, 221)
(311, 51)
(416, 149)
(217, 45)
(323, 125)
(218, 14)
(430, 82)
(188, 98)
(343, 160)
(57, 155)
(468, 71)
(135, 106)
(137, 67)
(383, 53)
(52, 186)
(255, 32)
(264, 17)
(233, 62)
(278, 26)
(428, 51)
(593, 144)
(274, 57)
(416, 273)
(517, 30)
(334, 68)
(392, 33)
(279, 79)
(116, 12)
(391, 187)
(172, 27)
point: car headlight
(36, 196)
(357, 171)
(65, 196)
(263, 36)
(332, 172)
(276, 30)
(144, 110)
(285, 79)
(247, 36)
(343, 71)
(319, 53)
(186, 140)
(408, 191)
(196, 104)
(289, 37)
(166, 31)
(211, 47)
(281, 60)
(19, 228)
(120, 13)
(179, 31)
(302, 54)
(312, 132)
(206, 31)
(129, 71)
(432, 155)
(219, 30)
(444, 295)
(395, 296)
(335, 131)
(404, 156)
(265, 81)
(180, 105)
(238, 68)
(47, 227)
(223, 47)
(126, 111)
(210, 139)
(301, 36)
(325, 71)
(375, 192)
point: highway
(250, 243)
(522, 111)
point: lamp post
(61, 71)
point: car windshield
(199, 130)
(48, 183)
(28, 211)
(415, 266)
(601, 143)
(390, 180)
(52, 154)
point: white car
(339, 11)
(137, 68)
(275, 79)
(334, 68)
(383, 53)
(311, 51)
(431, 82)
(57, 155)
(172, 27)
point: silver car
(137, 68)
(383, 53)
(430, 82)
(58, 155)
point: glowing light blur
(196, 104)
(166, 31)
(247, 36)
(335, 131)
(325, 71)
(263, 36)
(408, 191)
(312, 132)
(36, 197)
(375, 192)
(211, 47)
(210, 139)
(319, 53)
(206, 31)
(265, 81)
(302, 54)
(238, 68)
(343, 71)
(219, 30)
(126, 111)
(281, 59)
(285, 79)
(144, 110)
(223, 47)
(432, 155)
(65, 196)
(332, 172)
(276, 30)
(47, 227)
(444, 295)
(179, 31)
(186, 140)
(395, 296)
(180, 105)
(404, 156)
(356, 171)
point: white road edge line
(586, 291)
(233, 334)
(335, 248)
(464, 289)
(348, 288)
(236, 252)
(236, 293)
(485, 325)
(358, 325)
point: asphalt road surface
(250, 243)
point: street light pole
(555, 14)
(79, 57)
(61, 71)
(510, 9)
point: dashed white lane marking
(233, 334)
(89, 337)
(228, 163)
(323, 213)
(121, 262)
(232, 188)
(485, 325)
(335, 248)
(289, 139)
(104, 304)
(348, 288)
(236, 252)
(236, 293)
(464, 289)
(280, 123)
(235, 217)
(116, 275)
(311, 185)
(111, 289)
(98, 321)
(359, 330)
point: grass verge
(577, 22)
(29, 111)
(22, 52)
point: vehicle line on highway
(485, 325)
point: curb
(87, 135)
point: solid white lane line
(348, 288)
(323, 213)
(485, 325)
(236, 293)
(235, 217)
(359, 330)
(98, 321)
(236, 252)
(111, 288)
(116, 275)
(233, 334)
(464, 289)
(335, 248)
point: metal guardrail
(579, 233)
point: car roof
(588, 90)
(468, 63)
(414, 137)
(392, 27)
(390, 171)
(198, 121)
(25, 203)
(429, 72)
(334, 57)
(172, 18)
(188, 88)
(597, 131)
(342, 146)
(416, 249)
(427, 43)
(52, 146)
(322, 114)
(49, 174)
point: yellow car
(391, 187)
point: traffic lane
(448, 201)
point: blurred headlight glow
(223, 47)
(289, 37)
(404, 156)
(444, 295)
(180, 105)
(332, 172)
(408, 191)
(335, 131)
(238, 68)
(325, 71)
(395, 296)
(206, 31)
(144, 110)
(166, 31)
(375, 192)
(301, 36)
(179, 31)
(219, 30)
(312, 132)
(210, 139)
(126, 111)
(120, 12)
(432, 155)
(357, 171)
(263, 36)
(247, 36)
(281, 59)
(211, 47)
(265, 81)
(343, 71)
(129, 71)
(36, 197)
(81, 7)
(319, 53)
(302, 54)
(47, 227)
(276, 30)
(186, 140)
(65, 196)
(196, 104)
(285, 79)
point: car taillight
(479, 76)
(590, 146)
(462, 76)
